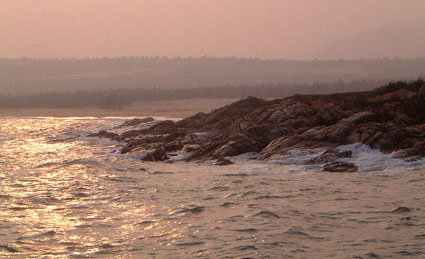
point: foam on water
(368, 159)
(75, 197)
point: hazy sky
(244, 28)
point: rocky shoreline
(390, 119)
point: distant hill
(27, 76)
(389, 41)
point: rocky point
(390, 118)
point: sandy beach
(175, 109)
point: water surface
(64, 195)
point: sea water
(66, 195)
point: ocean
(66, 195)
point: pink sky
(244, 28)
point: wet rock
(130, 134)
(340, 167)
(158, 154)
(415, 152)
(223, 161)
(330, 156)
(104, 134)
(390, 119)
(135, 122)
(237, 145)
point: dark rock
(135, 122)
(158, 154)
(104, 134)
(223, 161)
(417, 151)
(130, 134)
(237, 145)
(330, 156)
(390, 119)
(340, 167)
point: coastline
(387, 119)
(174, 109)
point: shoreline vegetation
(114, 83)
(388, 118)
(122, 98)
(31, 76)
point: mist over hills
(29, 76)
(394, 40)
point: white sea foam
(366, 158)
(369, 159)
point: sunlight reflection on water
(64, 195)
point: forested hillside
(118, 98)
(31, 76)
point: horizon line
(211, 57)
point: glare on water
(64, 195)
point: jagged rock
(130, 134)
(135, 122)
(417, 151)
(158, 154)
(104, 134)
(390, 118)
(330, 156)
(340, 167)
(223, 161)
(191, 148)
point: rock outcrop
(390, 118)
(340, 167)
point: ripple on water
(195, 210)
(193, 243)
(245, 248)
(86, 202)
(48, 234)
(246, 230)
(236, 175)
(266, 214)
(8, 249)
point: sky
(291, 29)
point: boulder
(417, 151)
(237, 145)
(158, 154)
(135, 122)
(340, 167)
(330, 156)
(223, 161)
(105, 134)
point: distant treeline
(31, 76)
(117, 98)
